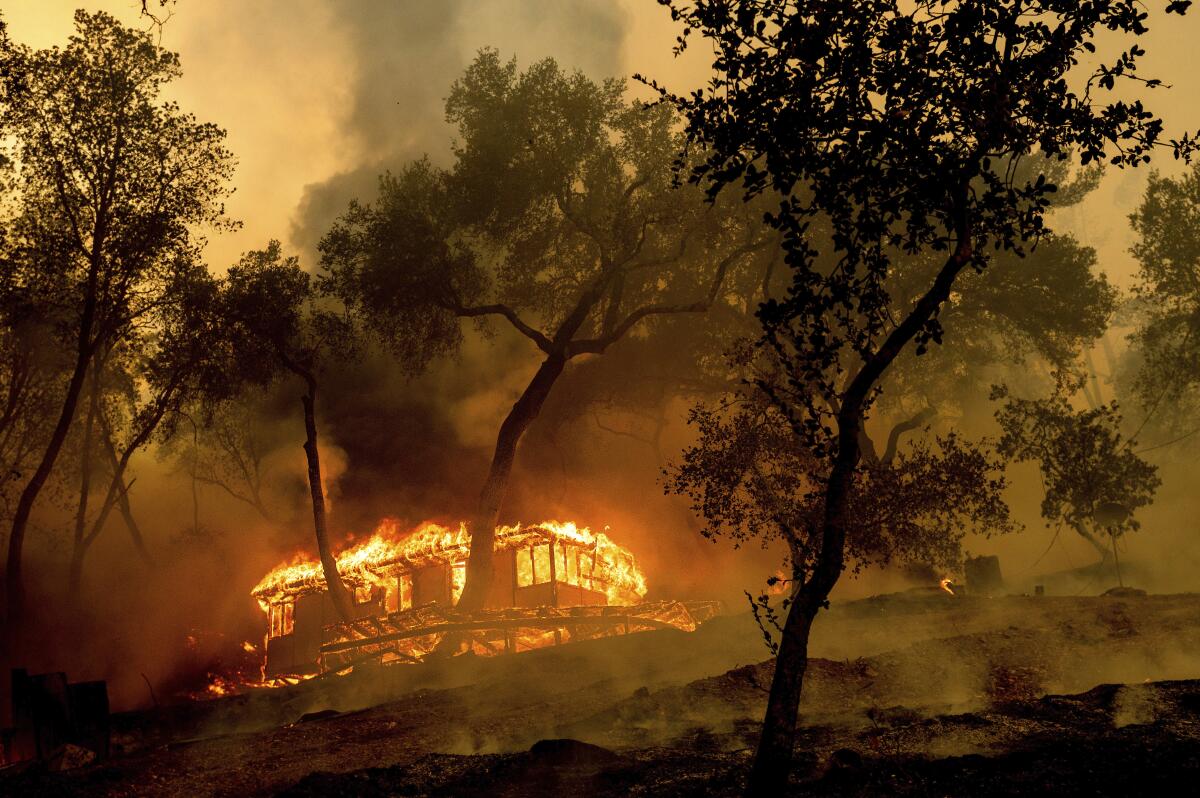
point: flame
(947, 584)
(375, 561)
(221, 685)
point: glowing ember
(375, 561)
(220, 685)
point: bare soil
(917, 693)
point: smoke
(403, 57)
(340, 93)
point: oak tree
(113, 180)
(559, 217)
(891, 129)
(278, 328)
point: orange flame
(374, 561)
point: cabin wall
(535, 595)
(297, 652)
(558, 594)
(578, 596)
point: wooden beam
(511, 623)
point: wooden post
(554, 590)
(516, 556)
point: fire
(221, 685)
(947, 584)
(371, 563)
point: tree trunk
(1099, 545)
(115, 463)
(483, 524)
(75, 572)
(135, 531)
(14, 586)
(343, 602)
(773, 760)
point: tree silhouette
(112, 180)
(1084, 460)
(277, 328)
(559, 217)
(890, 129)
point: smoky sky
(404, 57)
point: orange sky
(277, 75)
(283, 77)
(279, 86)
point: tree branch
(596, 346)
(889, 453)
(543, 343)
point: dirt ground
(917, 693)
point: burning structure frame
(552, 583)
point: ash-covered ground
(917, 693)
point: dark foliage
(891, 129)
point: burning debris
(391, 560)
(553, 582)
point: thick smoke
(406, 54)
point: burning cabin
(405, 581)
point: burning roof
(389, 551)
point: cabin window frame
(281, 618)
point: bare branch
(889, 453)
(597, 346)
(543, 343)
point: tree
(1023, 315)
(749, 478)
(904, 124)
(172, 359)
(112, 182)
(33, 372)
(277, 328)
(1085, 461)
(225, 448)
(560, 217)
(1167, 296)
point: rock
(845, 759)
(1124, 592)
(71, 756)
(572, 753)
